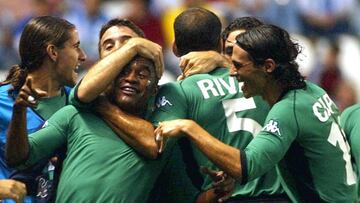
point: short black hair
(242, 23)
(197, 29)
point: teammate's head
(40, 39)
(134, 85)
(239, 25)
(265, 53)
(196, 29)
(115, 33)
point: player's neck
(42, 80)
(272, 93)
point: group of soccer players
(245, 127)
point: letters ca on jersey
(272, 127)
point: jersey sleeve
(270, 144)
(350, 123)
(171, 104)
(74, 100)
(53, 135)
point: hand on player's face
(28, 96)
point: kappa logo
(162, 101)
(45, 124)
(272, 126)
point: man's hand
(223, 184)
(28, 96)
(201, 62)
(150, 50)
(174, 128)
(12, 189)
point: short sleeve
(271, 144)
(74, 99)
(52, 136)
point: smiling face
(114, 38)
(134, 85)
(69, 58)
(254, 78)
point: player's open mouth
(129, 90)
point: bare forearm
(102, 73)
(135, 131)
(17, 144)
(227, 158)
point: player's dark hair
(242, 23)
(272, 42)
(197, 29)
(37, 34)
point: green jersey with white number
(302, 131)
(350, 121)
(216, 103)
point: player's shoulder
(169, 87)
(4, 89)
(353, 110)
(68, 110)
(216, 73)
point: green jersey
(49, 105)
(350, 121)
(99, 167)
(216, 103)
(302, 130)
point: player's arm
(227, 158)
(17, 144)
(135, 131)
(260, 155)
(202, 62)
(103, 72)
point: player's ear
(269, 65)
(156, 90)
(175, 51)
(51, 52)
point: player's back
(319, 157)
(216, 103)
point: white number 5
(231, 106)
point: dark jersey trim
(244, 172)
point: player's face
(69, 58)
(253, 78)
(114, 38)
(230, 42)
(131, 85)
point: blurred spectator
(326, 18)
(37, 8)
(141, 15)
(88, 17)
(344, 94)
(330, 75)
(8, 55)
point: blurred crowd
(328, 31)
